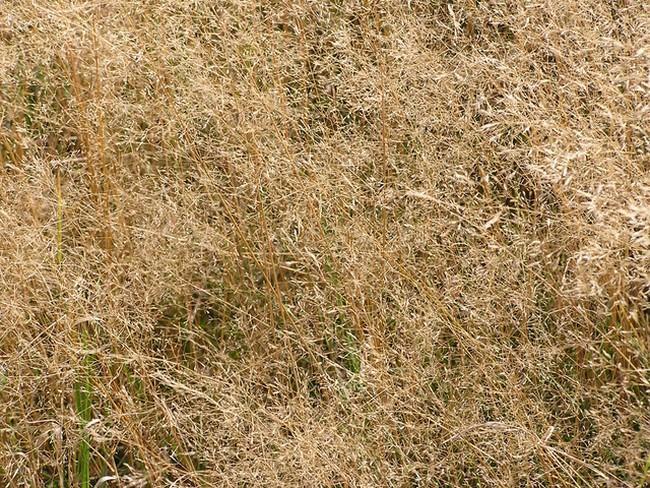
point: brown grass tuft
(328, 244)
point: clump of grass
(324, 244)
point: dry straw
(328, 244)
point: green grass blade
(83, 405)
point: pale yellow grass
(326, 244)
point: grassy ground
(325, 244)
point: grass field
(303, 243)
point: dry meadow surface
(325, 244)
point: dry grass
(327, 244)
